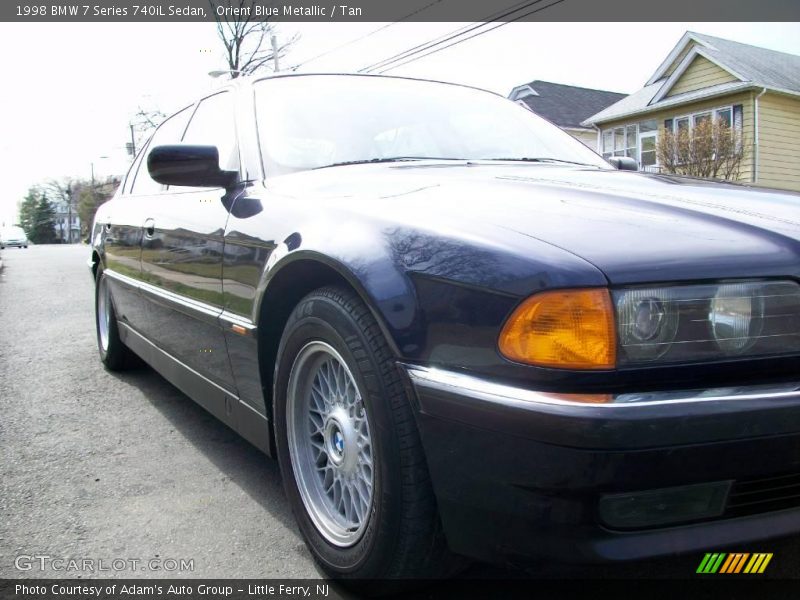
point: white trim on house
(517, 93)
(684, 64)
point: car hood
(634, 227)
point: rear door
(182, 252)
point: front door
(182, 254)
(647, 149)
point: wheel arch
(95, 263)
(288, 284)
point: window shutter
(668, 124)
(737, 117)
(738, 123)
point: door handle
(149, 227)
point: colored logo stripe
(758, 563)
(734, 563)
(711, 562)
(720, 562)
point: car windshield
(316, 121)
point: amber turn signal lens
(565, 329)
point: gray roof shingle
(567, 105)
(766, 68)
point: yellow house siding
(779, 141)
(702, 73)
(587, 137)
(744, 98)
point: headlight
(707, 322)
(737, 317)
(648, 322)
(588, 329)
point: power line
(498, 26)
(505, 12)
(363, 37)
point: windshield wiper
(388, 159)
(540, 159)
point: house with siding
(753, 90)
(565, 105)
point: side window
(169, 132)
(213, 125)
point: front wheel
(349, 450)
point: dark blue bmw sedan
(458, 330)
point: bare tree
(712, 150)
(248, 43)
(90, 195)
(141, 125)
(149, 119)
(61, 191)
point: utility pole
(133, 142)
(274, 41)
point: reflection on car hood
(633, 226)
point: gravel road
(106, 466)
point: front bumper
(519, 473)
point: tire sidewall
(103, 352)
(116, 356)
(320, 318)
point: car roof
(248, 80)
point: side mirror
(184, 164)
(624, 163)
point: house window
(724, 115)
(730, 115)
(621, 141)
(608, 136)
(648, 126)
(700, 118)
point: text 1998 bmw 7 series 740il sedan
(460, 331)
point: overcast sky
(70, 90)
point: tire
(115, 355)
(399, 534)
